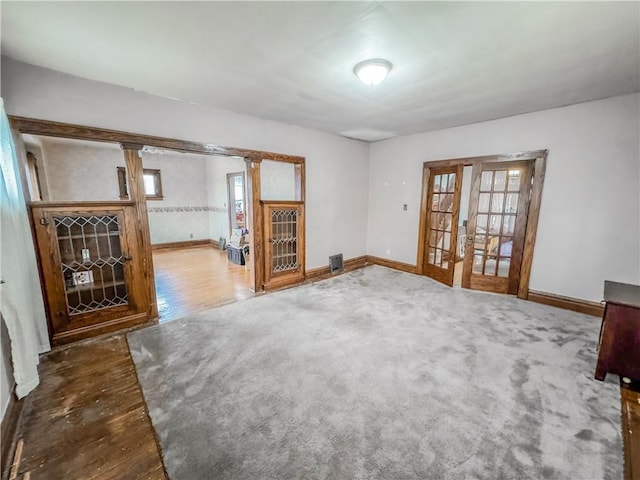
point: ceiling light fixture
(373, 71)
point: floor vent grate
(335, 263)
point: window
(236, 207)
(152, 184)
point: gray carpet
(378, 374)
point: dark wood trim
(135, 141)
(422, 229)
(501, 157)
(300, 179)
(321, 273)
(568, 303)
(117, 325)
(281, 202)
(135, 182)
(539, 170)
(74, 203)
(184, 244)
(471, 223)
(8, 430)
(384, 262)
(254, 216)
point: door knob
(127, 258)
(469, 240)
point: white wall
(336, 168)
(589, 226)
(81, 170)
(217, 169)
(183, 213)
(277, 180)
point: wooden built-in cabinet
(91, 267)
(284, 235)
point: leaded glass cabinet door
(498, 210)
(88, 258)
(442, 223)
(284, 255)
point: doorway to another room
(198, 229)
(479, 220)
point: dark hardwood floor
(88, 419)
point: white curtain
(21, 301)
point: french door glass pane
(443, 183)
(490, 266)
(448, 218)
(441, 219)
(512, 203)
(497, 202)
(503, 267)
(500, 179)
(514, 180)
(486, 180)
(481, 223)
(509, 224)
(477, 264)
(483, 202)
(494, 224)
(436, 183)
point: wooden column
(135, 181)
(539, 170)
(422, 229)
(300, 179)
(256, 230)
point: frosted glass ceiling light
(373, 71)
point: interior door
(443, 207)
(498, 209)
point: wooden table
(619, 347)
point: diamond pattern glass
(284, 241)
(92, 262)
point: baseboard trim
(568, 303)
(384, 262)
(185, 244)
(321, 273)
(8, 430)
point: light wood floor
(189, 280)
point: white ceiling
(454, 63)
